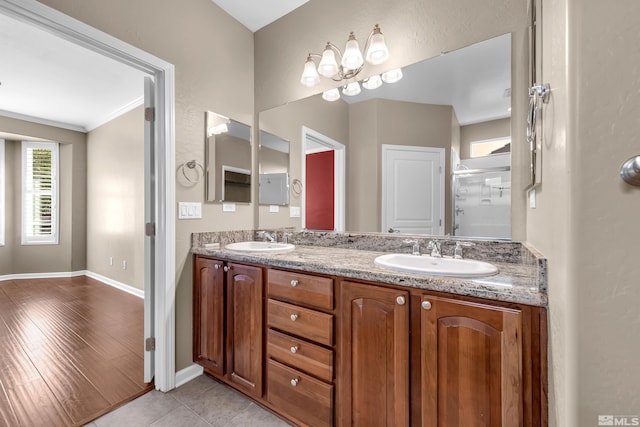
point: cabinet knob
(226, 268)
(400, 300)
(426, 305)
(294, 283)
(294, 382)
(294, 349)
(294, 317)
(216, 266)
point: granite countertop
(515, 282)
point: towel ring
(296, 187)
(193, 165)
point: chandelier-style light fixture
(351, 61)
(348, 65)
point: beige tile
(255, 415)
(218, 404)
(191, 391)
(140, 412)
(181, 417)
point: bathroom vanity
(322, 336)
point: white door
(150, 220)
(412, 189)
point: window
(2, 208)
(490, 146)
(39, 193)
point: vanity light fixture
(331, 95)
(351, 62)
(392, 76)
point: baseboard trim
(185, 375)
(52, 275)
(119, 285)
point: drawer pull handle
(294, 283)
(426, 305)
(294, 382)
(294, 349)
(400, 300)
(294, 317)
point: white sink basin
(436, 266)
(260, 247)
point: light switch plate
(274, 208)
(189, 210)
(294, 211)
(228, 207)
(532, 199)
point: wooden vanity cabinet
(373, 356)
(300, 353)
(471, 364)
(228, 307)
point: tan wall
(481, 131)
(69, 254)
(213, 56)
(329, 118)
(586, 218)
(115, 199)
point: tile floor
(202, 402)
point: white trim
(114, 114)
(187, 374)
(114, 283)
(339, 192)
(3, 168)
(163, 72)
(49, 275)
(27, 118)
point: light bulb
(352, 58)
(392, 76)
(373, 82)
(377, 53)
(310, 75)
(352, 89)
(328, 66)
(331, 95)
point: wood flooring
(70, 350)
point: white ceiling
(472, 79)
(255, 14)
(47, 79)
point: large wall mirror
(429, 154)
(227, 160)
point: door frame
(61, 25)
(383, 199)
(339, 180)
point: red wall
(319, 191)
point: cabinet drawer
(301, 355)
(301, 288)
(310, 324)
(303, 397)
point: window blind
(40, 192)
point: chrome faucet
(435, 248)
(416, 246)
(266, 236)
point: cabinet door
(471, 364)
(373, 356)
(208, 315)
(244, 327)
